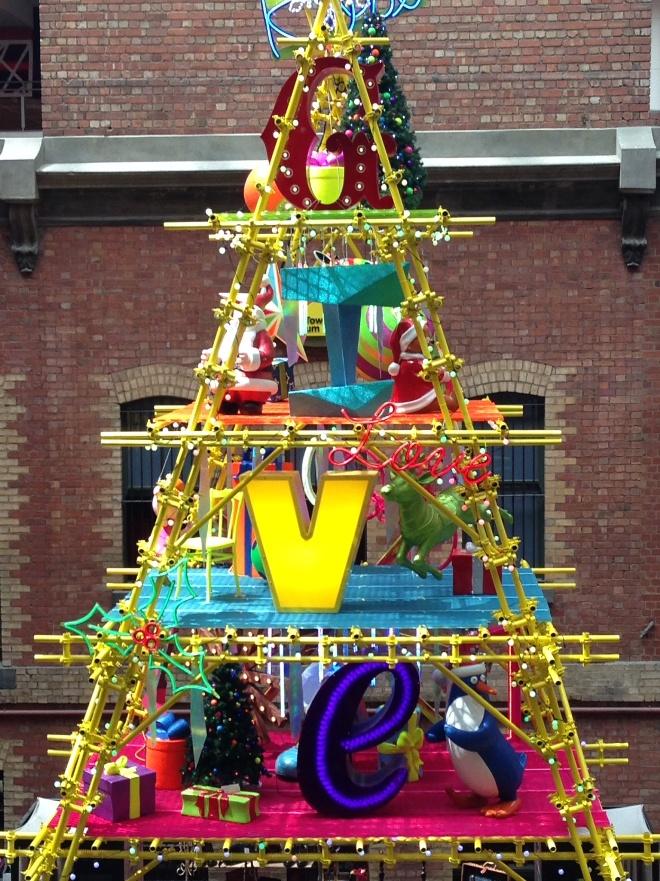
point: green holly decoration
(395, 118)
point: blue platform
(376, 596)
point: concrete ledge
(637, 153)
(521, 173)
(615, 683)
(78, 161)
(20, 158)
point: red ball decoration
(259, 175)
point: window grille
(141, 470)
(522, 491)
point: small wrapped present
(469, 575)
(229, 804)
(129, 790)
(408, 744)
(203, 801)
(243, 807)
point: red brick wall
(101, 302)
(191, 67)
(631, 783)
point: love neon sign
(410, 456)
(360, 158)
(330, 737)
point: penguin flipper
(476, 740)
(436, 733)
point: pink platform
(420, 809)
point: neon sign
(330, 735)
(361, 162)
(354, 11)
(410, 455)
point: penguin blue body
(482, 757)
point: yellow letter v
(308, 564)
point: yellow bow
(408, 743)
(116, 765)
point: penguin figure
(482, 757)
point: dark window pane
(141, 470)
(522, 471)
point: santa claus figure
(254, 359)
(412, 394)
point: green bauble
(257, 560)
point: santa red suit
(412, 394)
(254, 359)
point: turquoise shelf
(376, 597)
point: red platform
(275, 414)
(421, 809)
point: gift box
(228, 804)
(128, 789)
(203, 801)
(469, 575)
(243, 807)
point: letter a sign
(308, 563)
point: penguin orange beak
(485, 689)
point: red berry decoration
(148, 636)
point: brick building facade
(535, 112)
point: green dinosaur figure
(423, 526)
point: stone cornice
(36, 161)
(515, 174)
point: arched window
(522, 491)
(141, 470)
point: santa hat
(402, 336)
(471, 665)
(265, 294)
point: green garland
(395, 119)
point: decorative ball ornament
(148, 636)
(259, 176)
(257, 560)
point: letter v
(308, 564)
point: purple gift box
(129, 790)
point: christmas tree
(232, 752)
(395, 118)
